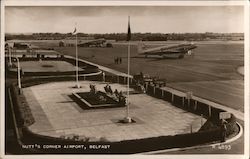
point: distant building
(109, 45)
(80, 38)
(21, 46)
(61, 44)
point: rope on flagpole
(77, 81)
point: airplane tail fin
(140, 47)
(190, 52)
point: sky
(114, 19)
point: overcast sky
(164, 19)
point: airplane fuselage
(175, 51)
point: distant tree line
(135, 36)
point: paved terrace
(56, 114)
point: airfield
(210, 73)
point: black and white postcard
(117, 78)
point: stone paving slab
(56, 114)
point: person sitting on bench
(110, 90)
(116, 93)
(106, 88)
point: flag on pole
(74, 32)
(129, 30)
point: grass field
(46, 66)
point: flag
(129, 30)
(74, 32)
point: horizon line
(30, 33)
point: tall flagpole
(128, 118)
(128, 79)
(77, 83)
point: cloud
(100, 19)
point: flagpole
(77, 84)
(128, 118)
(128, 80)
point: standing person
(116, 92)
(120, 60)
(141, 74)
(21, 72)
(223, 131)
(103, 76)
(116, 60)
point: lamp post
(19, 75)
(76, 43)
(77, 82)
(9, 56)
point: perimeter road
(106, 69)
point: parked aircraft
(90, 43)
(167, 51)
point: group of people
(118, 60)
(118, 95)
(140, 87)
(115, 94)
(121, 98)
(108, 89)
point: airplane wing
(169, 48)
(164, 50)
